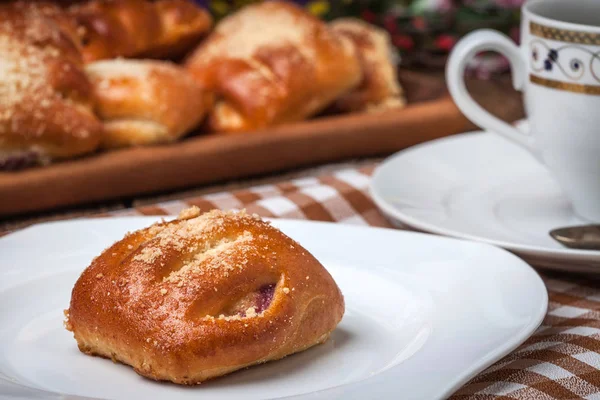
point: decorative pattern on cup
(564, 35)
(572, 61)
(565, 59)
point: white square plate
(423, 315)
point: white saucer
(418, 323)
(478, 186)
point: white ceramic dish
(424, 314)
(481, 187)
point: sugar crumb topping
(24, 73)
(148, 254)
(67, 323)
(243, 38)
(211, 258)
(189, 213)
(248, 313)
(28, 57)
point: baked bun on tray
(138, 28)
(379, 89)
(46, 100)
(272, 63)
(144, 102)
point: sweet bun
(202, 296)
(272, 63)
(138, 28)
(144, 102)
(379, 89)
(46, 106)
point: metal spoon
(585, 237)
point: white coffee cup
(557, 68)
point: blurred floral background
(423, 31)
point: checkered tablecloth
(560, 361)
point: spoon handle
(585, 237)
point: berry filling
(253, 303)
(17, 161)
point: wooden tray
(212, 158)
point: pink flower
(445, 5)
(403, 42)
(389, 22)
(509, 3)
(445, 42)
(368, 16)
(419, 23)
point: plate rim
(589, 256)
(483, 362)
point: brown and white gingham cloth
(560, 361)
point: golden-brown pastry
(139, 28)
(52, 10)
(202, 296)
(379, 89)
(272, 63)
(145, 102)
(45, 97)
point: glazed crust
(272, 63)
(379, 89)
(184, 301)
(145, 102)
(138, 28)
(47, 103)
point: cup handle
(463, 52)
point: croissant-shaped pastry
(144, 102)
(139, 28)
(272, 63)
(379, 89)
(46, 101)
(202, 296)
